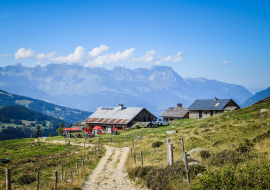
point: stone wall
(205, 113)
(193, 114)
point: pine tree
(38, 132)
(60, 130)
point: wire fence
(64, 175)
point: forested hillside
(21, 122)
(60, 112)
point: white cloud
(42, 56)
(171, 58)
(224, 63)
(98, 50)
(79, 55)
(4, 55)
(93, 58)
(113, 57)
(158, 62)
(76, 57)
(176, 58)
(22, 53)
(148, 57)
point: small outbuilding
(175, 113)
(208, 107)
(120, 117)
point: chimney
(121, 106)
(215, 98)
(179, 105)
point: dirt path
(110, 174)
(110, 171)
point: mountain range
(257, 97)
(87, 88)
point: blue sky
(224, 40)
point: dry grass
(46, 158)
(228, 129)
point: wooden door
(200, 114)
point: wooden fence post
(65, 176)
(111, 139)
(37, 179)
(8, 179)
(168, 151)
(77, 167)
(71, 177)
(186, 164)
(141, 158)
(130, 152)
(183, 147)
(83, 165)
(132, 144)
(134, 158)
(185, 159)
(76, 138)
(62, 172)
(171, 153)
(55, 180)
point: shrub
(51, 135)
(137, 127)
(234, 157)
(249, 176)
(261, 137)
(26, 179)
(156, 144)
(205, 154)
(163, 178)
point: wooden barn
(208, 107)
(120, 117)
(175, 113)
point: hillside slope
(257, 97)
(60, 112)
(35, 93)
(236, 152)
(20, 122)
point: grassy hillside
(60, 112)
(25, 160)
(235, 142)
(20, 122)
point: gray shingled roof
(209, 104)
(263, 100)
(175, 112)
(114, 115)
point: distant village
(108, 119)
